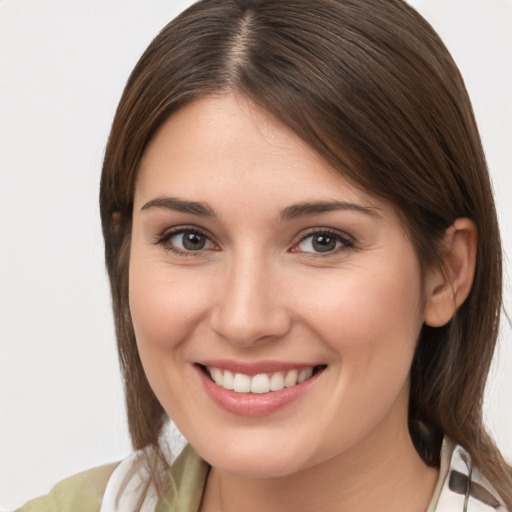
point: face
(276, 307)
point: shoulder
(82, 492)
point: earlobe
(447, 290)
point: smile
(256, 389)
(260, 383)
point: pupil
(322, 243)
(193, 241)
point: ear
(447, 290)
(115, 221)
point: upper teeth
(261, 383)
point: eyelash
(344, 241)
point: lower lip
(254, 404)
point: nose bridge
(249, 308)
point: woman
(305, 266)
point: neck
(383, 472)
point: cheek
(164, 306)
(368, 316)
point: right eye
(186, 240)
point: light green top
(80, 493)
(84, 492)
(186, 483)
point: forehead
(222, 147)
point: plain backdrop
(63, 64)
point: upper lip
(254, 367)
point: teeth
(261, 383)
(228, 380)
(276, 382)
(217, 376)
(242, 383)
(291, 378)
(304, 375)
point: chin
(256, 459)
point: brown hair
(372, 88)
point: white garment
(480, 497)
(125, 486)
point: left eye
(321, 243)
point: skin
(259, 291)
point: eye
(185, 240)
(323, 242)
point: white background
(63, 64)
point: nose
(251, 308)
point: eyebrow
(171, 203)
(290, 212)
(315, 208)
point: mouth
(261, 383)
